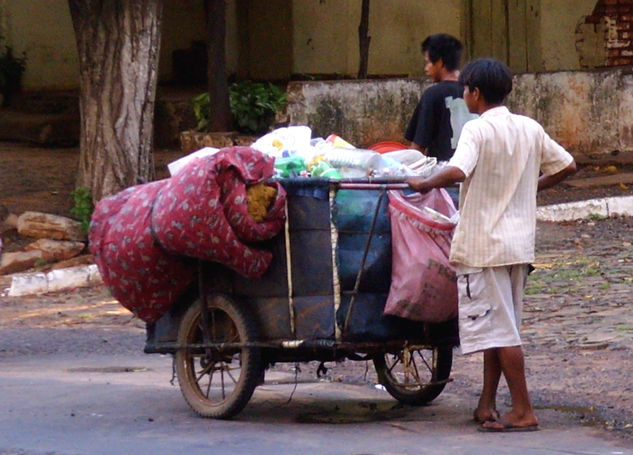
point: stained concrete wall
(43, 29)
(321, 36)
(559, 20)
(326, 34)
(361, 112)
(590, 113)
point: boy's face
(433, 70)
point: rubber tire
(250, 360)
(423, 395)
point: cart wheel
(408, 374)
(218, 384)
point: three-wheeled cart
(321, 299)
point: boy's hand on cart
(419, 184)
(448, 176)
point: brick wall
(615, 19)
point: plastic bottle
(351, 162)
(323, 169)
(290, 167)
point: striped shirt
(501, 155)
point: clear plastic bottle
(351, 162)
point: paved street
(121, 404)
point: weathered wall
(265, 39)
(326, 34)
(605, 37)
(590, 113)
(559, 20)
(273, 39)
(361, 112)
(43, 29)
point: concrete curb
(55, 280)
(603, 207)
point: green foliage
(253, 106)
(597, 217)
(39, 263)
(82, 207)
(201, 109)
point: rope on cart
(291, 303)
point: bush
(82, 207)
(253, 106)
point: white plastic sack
(177, 165)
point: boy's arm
(446, 177)
(547, 181)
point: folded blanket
(144, 238)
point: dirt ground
(578, 327)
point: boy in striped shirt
(503, 159)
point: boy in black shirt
(430, 129)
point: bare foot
(485, 415)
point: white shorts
(490, 306)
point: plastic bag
(286, 141)
(175, 166)
(423, 283)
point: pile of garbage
(298, 154)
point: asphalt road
(69, 399)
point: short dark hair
(491, 76)
(445, 47)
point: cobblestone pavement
(578, 324)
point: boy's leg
(513, 368)
(487, 407)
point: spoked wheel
(218, 382)
(415, 375)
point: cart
(321, 299)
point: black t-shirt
(430, 124)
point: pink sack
(423, 283)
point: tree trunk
(220, 110)
(118, 43)
(363, 40)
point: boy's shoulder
(514, 122)
(527, 122)
(445, 88)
